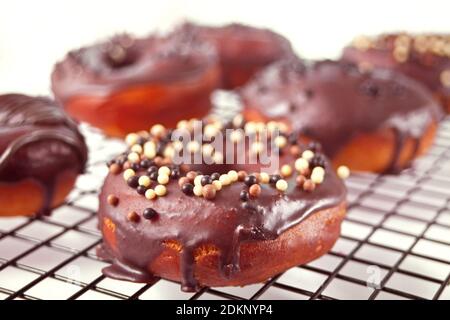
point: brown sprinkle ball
(241, 175)
(255, 190)
(309, 185)
(126, 165)
(158, 161)
(183, 180)
(300, 180)
(112, 200)
(295, 150)
(133, 216)
(209, 192)
(191, 175)
(114, 168)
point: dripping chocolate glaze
(332, 102)
(193, 221)
(124, 61)
(425, 66)
(38, 141)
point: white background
(35, 34)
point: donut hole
(118, 56)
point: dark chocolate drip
(399, 142)
(342, 102)
(38, 141)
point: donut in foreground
(243, 50)
(376, 121)
(127, 83)
(41, 154)
(423, 57)
(217, 223)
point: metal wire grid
(395, 243)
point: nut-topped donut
(41, 154)
(124, 84)
(424, 57)
(221, 220)
(371, 121)
(243, 49)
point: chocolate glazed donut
(371, 121)
(126, 84)
(226, 228)
(424, 57)
(41, 154)
(243, 49)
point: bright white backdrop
(35, 34)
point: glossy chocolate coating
(222, 222)
(332, 102)
(428, 55)
(125, 61)
(37, 140)
(241, 47)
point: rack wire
(395, 243)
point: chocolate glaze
(223, 222)
(38, 141)
(331, 102)
(241, 46)
(425, 65)
(125, 61)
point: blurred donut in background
(374, 121)
(41, 154)
(243, 49)
(424, 57)
(126, 84)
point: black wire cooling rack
(395, 243)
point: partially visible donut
(424, 57)
(221, 224)
(370, 121)
(41, 154)
(125, 84)
(243, 49)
